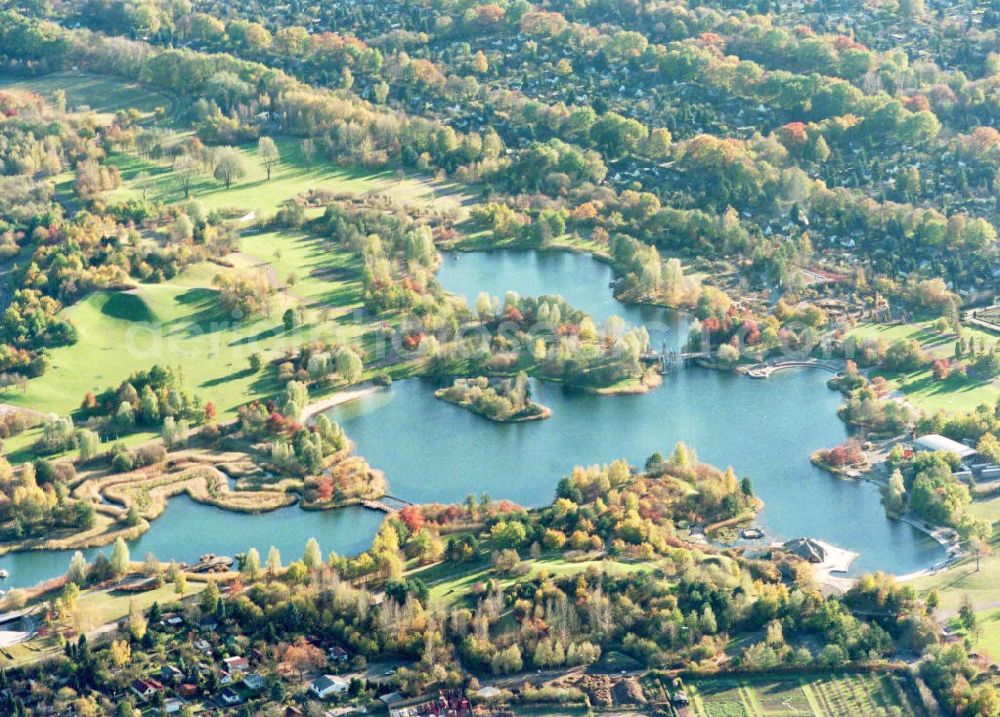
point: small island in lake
(505, 400)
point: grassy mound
(126, 307)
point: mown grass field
(982, 585)
(448, 581)
(834, 695)
(102, 95)
(920, 387)
(292, 176)
(989, 642)
(179, 323)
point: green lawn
(448, 582)
(982, 586)
(921, 331)
(103, 95)
(956, 394)
(99, 607)
(291, 177)
(989, 643)
(94, 609)
(179, 323)
(306, 265)
(920, 388)
(989, 635)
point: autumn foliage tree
(302, 657)
(412, 517)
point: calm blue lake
(433, 451)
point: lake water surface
(188, 530)
(433, 451)
(765, 429)
(580, 279)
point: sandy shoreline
(339, 398)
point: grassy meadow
(180, 324)
(982, 585)
(448, 582)
(96, 608)
(291, 177)
(920, 388)
(85, 92)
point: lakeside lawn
(982, 587)
(956, 394)
(100, 607)
(920, 388)
(178, 323)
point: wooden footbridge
(386, 504)
(668, 360)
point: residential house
(229, 697)
(254, 681)
(172, 619)
(236, 664)
(170, 674)
(145, 688)
(202, 646)
(327, 685)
